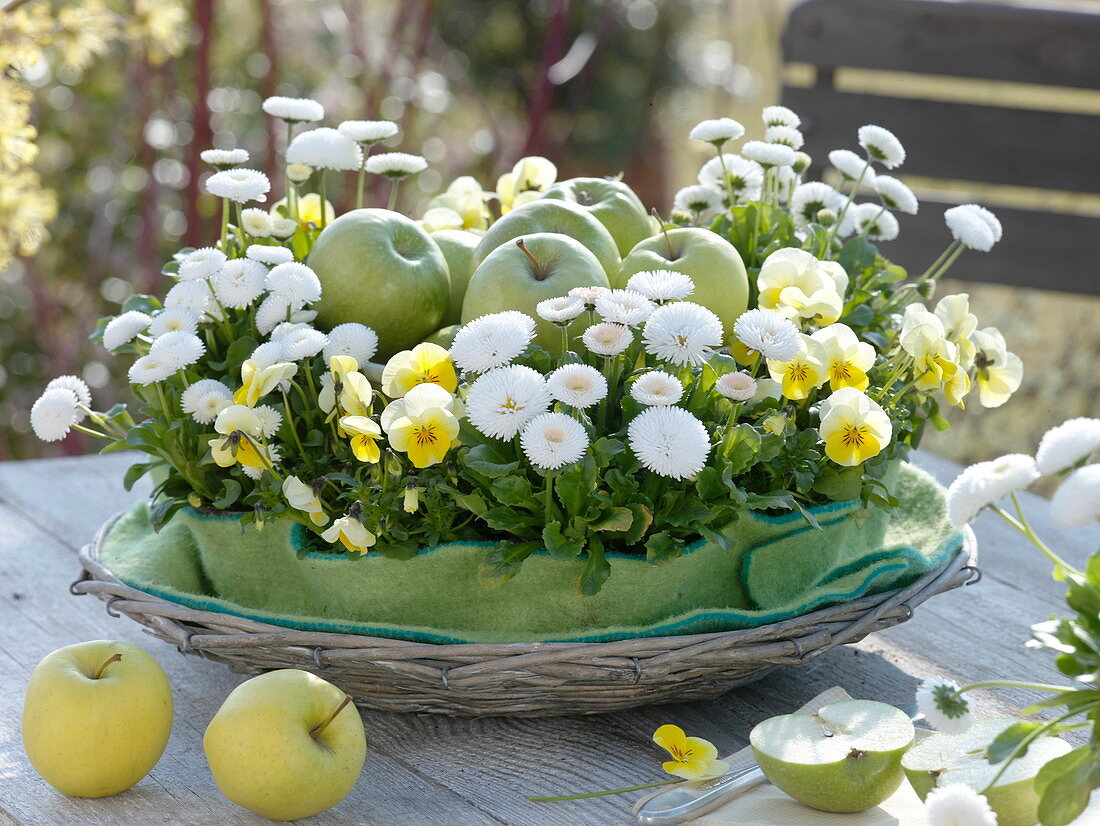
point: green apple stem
(638, 788)
(538, 268)
(664, 232)
(316, 731)
(114, 658)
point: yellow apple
(97, 717)
(286, 745)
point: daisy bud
(826, 217)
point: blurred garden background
(105, 106)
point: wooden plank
(997, 41)
(960, 141)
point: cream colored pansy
(356, 393)
(802, 373)
(301, 496)
(529, 178)
(997, 371)
(437, 218)
(793, 283)
(423, 424)
(846, 358)
(958, 325)
(257, 381)
(464, 198)
(935, 359)
(424, 364)
(853, 427)
(364, 433)
(241, 430)
(351, 533)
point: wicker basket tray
(518, 679)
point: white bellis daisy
(669, 441)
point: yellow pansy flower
(241, 429)
(802, 373)
(935, 359)
(424, 364)
(846, 358)
(257, 382)
(356, 392)
(529, 178)
(794, 283)
(853, 427)
(465, 198)
(957, 388)
(424, 424)
(301, 496)
(959, 324)
(693, 758)
(997, 371)
(364, 434)
(309, 210)
(351, 533)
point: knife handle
(687, 801)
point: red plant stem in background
(203, 136)
(269, 40)
(144, 74)
(553, 49)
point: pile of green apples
(382, 269)
(98, 715)
(853, 755)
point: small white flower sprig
(1068, 451)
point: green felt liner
(778, 569)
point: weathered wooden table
(423, 770)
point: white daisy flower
(396, 165)
(239, 185)
(272, 311)
(881, 145)
(702, 199)
(985, 483)
(1077, 500)
(303, 343)
(560, 310)
(624, 307)
(492, 340)
(205, 399)
(1064, 446)
(351, 339)
(150, 369)
(368, 131)
(504, 399)
(552, 440)
(123, 329)
(190, 295)
(607, 339)
(273, 456)
(669, 441)
(224, 158)
(294, 110)
(656, 388)
(295, 283)
(768, 154)
(577, 385)
(682, 333)
(968, 227)
(298, 173)
(991, 221)
(717, 131)
(880, 224)
(662, 285)
(802, 162)
(956, 804)
(896, 195)
(268, 354)
(77, 386)
(270, 420)
(784, 135)
(938, 701)
(780, 116)
(269, 255)
(851, 166)
(587, 294)
(746, 178)
(768, 333)
(284, 227)
(736, 386)
(810, 198)
(200, 263)
(171, 320)
(54, 414)
(239, 283)
(325, 148)
(256, 222)
(177, 349)
(285, 328)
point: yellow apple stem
(114, 658)
(316, 731)
(664, 232)
(527, 252)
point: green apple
(381, 269)
(97, 717)
(444, 336)
(457, 246)
(845, 758)
(552, 216)
(712, 263)
(511, 277)
(962, 758)
(612, 203)
(286, 745)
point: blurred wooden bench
(1031, 138)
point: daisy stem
(936, 264)
(1014, 684)
(725, 176)
(362, 180)
(294, 432)
(535, 799)
(564, 341)
(163, 400)
(849, 202)
(324, 200)
(549, 495)
(393, 193)
(1032, 737)
(870, 225)
(1021, 523)
(225, 222)
(92, 432)
(947, 264)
